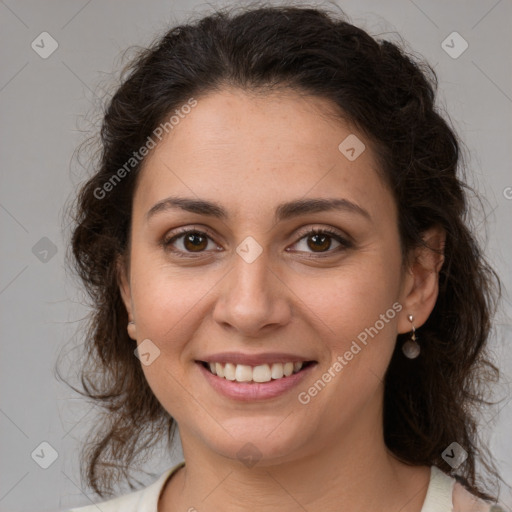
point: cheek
(169, 301)
(166, 306)
(355, 316)
(357, 332)
(352, 299)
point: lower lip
(251, 391)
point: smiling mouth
(255, 374)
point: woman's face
(255, 282)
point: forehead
(254, 150)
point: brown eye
(321, 242)
(187, 242)
(195, 241)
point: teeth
(260, 373)
(219, 370)
(277, 371)
(287, 369)
(229, 371)
(243, 373)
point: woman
(275, 246)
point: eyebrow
(284, 211)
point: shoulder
(445, 494)
(126, 503)
(143, 500)
(464, 501)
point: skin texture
(250, 153)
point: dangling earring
(410, 348)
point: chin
(259, 440)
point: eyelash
(345, 244)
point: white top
(444, 494)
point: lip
(253, 359)
(254, 391)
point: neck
(354, 468)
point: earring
(410, 348)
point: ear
(125, 290)
(420, 285)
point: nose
(253, 299)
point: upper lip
(253, 359)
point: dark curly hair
(389, 95)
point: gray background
(43, 103)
